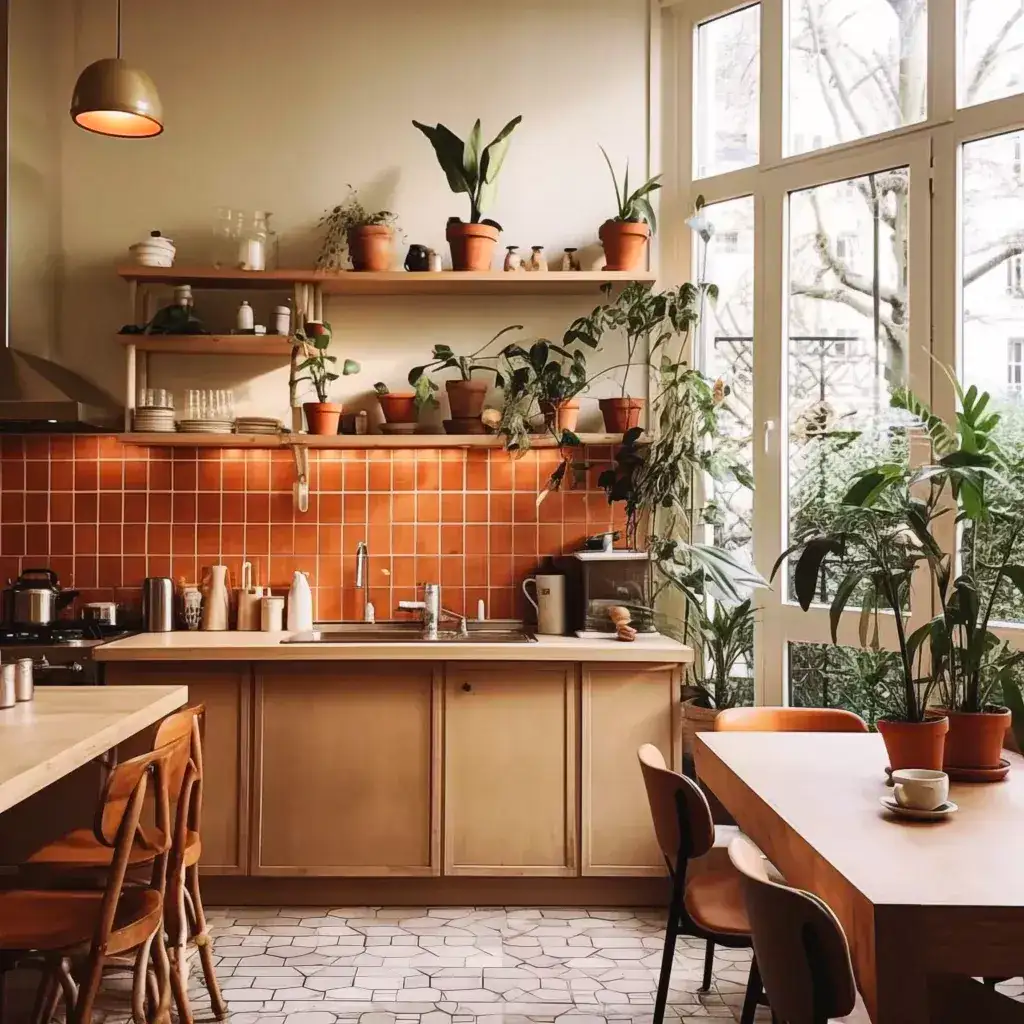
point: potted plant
(367, 235)
(970, 666)
(466, 393)
(472, 168)
(554, 377)
(397, 406)
(311, 343)
(626, 234)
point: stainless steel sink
(492, 632)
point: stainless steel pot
(102, 612)
(35, 598)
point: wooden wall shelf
(351, 441)
(274, 346)
(390, 282)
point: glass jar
(252, 249)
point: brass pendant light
(113, 98)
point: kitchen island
(422, 772)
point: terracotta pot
(322, 417)
(472, 245)
(915, 744)
(470, 425)
(370, 247)
(561, 415)
(696, 719)
(624, 244)
(466, 397)
(399, 406)
(975, 739)
(621, 414)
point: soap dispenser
(300, 604)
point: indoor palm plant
(625, 235)
(466, 393)
(311, 362)
(368, 236)
(473, 168)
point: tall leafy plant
(443, 357)
(312, 361)
(633, 207)
(470, 166)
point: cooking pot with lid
(35, 598)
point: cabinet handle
(467, 688)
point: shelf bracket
(301, 489)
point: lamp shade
(113, 98)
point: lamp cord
(119, 29)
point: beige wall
(278, 105)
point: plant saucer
(979, 774)
(914, 814)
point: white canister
(272, 614)
(8, 676)
(244, 317)
(281, 322)
(300, 604)
(549, 603)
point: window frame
(932, 150)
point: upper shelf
(184, 440)
(391, 282)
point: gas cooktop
(71, 634)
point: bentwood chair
(77, 852)
(764, 719)
(707, 895)
(74, 932)
(799, 946)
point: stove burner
(71, 635)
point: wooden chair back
(800, 946)
(789, 720)
(680, 811)
(186, 724)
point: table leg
(894, 983)
(954, 1000)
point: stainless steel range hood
(37, 393)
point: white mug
(549, 603)
(920, 789)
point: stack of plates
(205, 426)
(258, 425)
(155, 251)
(154, 421)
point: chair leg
(178, 930)
(753, 995)
(87, 991)
(140, 980)
(47, 995)
(162, 968)
(201, 935)
(709, 964)
(69, 987)
(671, 933)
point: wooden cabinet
(347, 758)
(510, 769)
(226, 692)
(623, 707)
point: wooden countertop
(67, 726)
(234, 646)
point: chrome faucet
(433, 612)
(362, 575)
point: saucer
(980, 774)
(942, 811)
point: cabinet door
(226, 692)
(510, 769)
(623, 707)
(346, 758)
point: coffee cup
(920, 789)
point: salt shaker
(24, 683)
(8, 685)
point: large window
(868, 205)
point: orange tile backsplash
(104, 516)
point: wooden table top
(67, 726)
(826, 788)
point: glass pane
(992, 339)
(728, 82)
(728, 342)
(856, 68)
(991, 39)
(847, 338)
(827, 676)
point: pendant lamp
(113, 98)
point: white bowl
(154, 261)
(156, 243)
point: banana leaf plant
(885, 528)
(470, 166)
(443, 357)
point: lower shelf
(355, 441)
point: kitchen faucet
(433, 611)
(362, 575)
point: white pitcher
(217, 600)
(549, 603)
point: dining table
(64, 727)
(926, 905)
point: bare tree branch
(988, 59)
(1008, 252)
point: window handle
(769, 429)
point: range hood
(36, 394)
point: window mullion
(773, 100)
